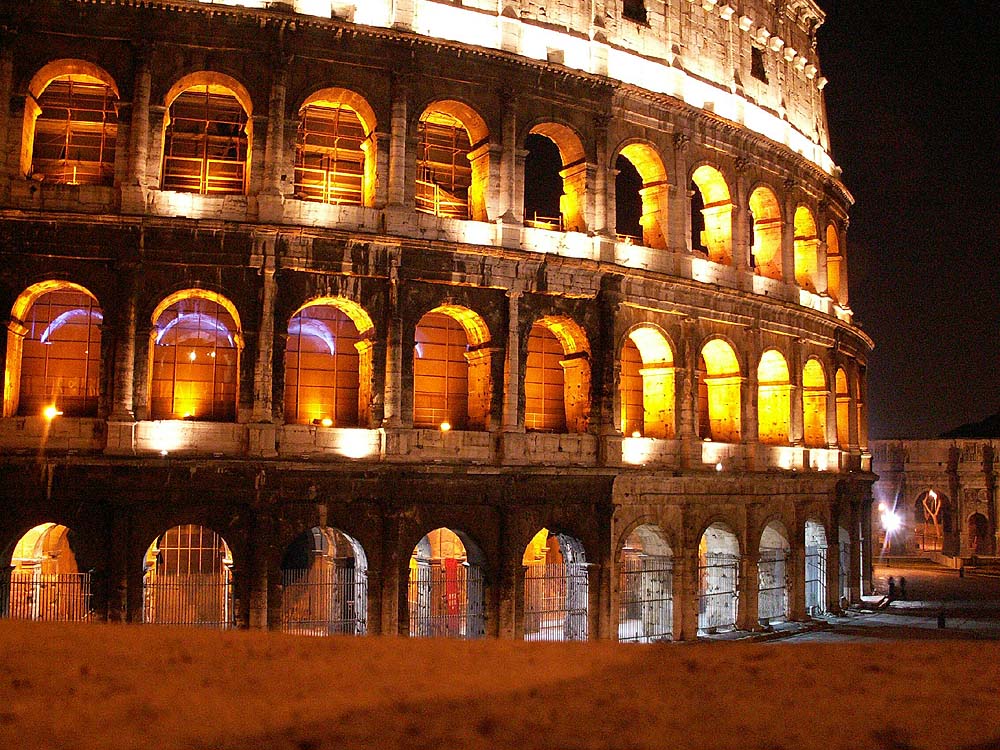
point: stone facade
(119, 478)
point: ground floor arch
(445, 591)
(188, 579)
(44, 581)
(556, 588)
(324, 584)
(646, 587)
(718, 578)
(772, 574)
(816, 581)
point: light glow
(50, 412)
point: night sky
(914, 114)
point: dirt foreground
(99, 686)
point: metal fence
(555, 602)
(447, 601)
(772, 582)
(646, 599)
(329, 600)
(196, 599)
(815, 580)
(718, 590)
(63, 597)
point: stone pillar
(603, 222)
(797, 572)
(141, 374)
(511, 203)
(749, 618)
(382, 148)
(393, 587)
(687, 394)
(842, 267)
(833, 570)
(123, 380)
(788, 240)
(831, 401)
(397, 141)
(512, 371)
(154, 155)
(796, 423)
(264, 258)
(13, 345)
(117, 577)
(259, 543)
(679, 223)
(257, 154)
(394, 348)
(274, 147)
(740, 231)
(576, 202)
(688, 604)
(133, 187)
(749, 387)
(6, 88)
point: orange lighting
(636, 434)
(50, 412)
(445, 426)
(326, 422)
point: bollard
(940, 619)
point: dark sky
(914, 115)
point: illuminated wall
(773, 399)
(557, 378)
(806, 249)
(765, 248)
(834, 266)
(719, 393)
(843, 410)
(814, 396)
(647, 389)
(653, 195)
(714, 232)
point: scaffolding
(330, 156)
(444, 174)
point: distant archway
(766, 227)
(446, 592)
(816, 581)
(711, 214)
(772, 573)
(645, 587)
(646, 384)
(557, 377)
(720, 385)
(556, 588)
(44, 581)
(718, 578)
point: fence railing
(203, 175)
(772, 582)
(718, 590)
(196, 599)
(555, 602)
(328, 186)
(433, 199)
(330, 600)
(815, 579)
(646, 599)
(447, 601)
(62, 597)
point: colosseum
(511, 318)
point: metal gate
(646, 599)
(197, 599)
(63, 597)
(446, 600)
(718, 590)
(772, 582)
(555, 602)
(327, 600)
(815, 580)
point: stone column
(510, 207)
(512, 371)
(749, 617)
(270, 200)
(687, 574)
(833, 570)
(133, 187)
(741, 233)
(123, 380)
(687, 394)
(116, 580)
(141, 374)
(394, 348)
(831, 401)
(154, 155)
(788, 236)
(6, 88)
(603, 222)
(796, 563)
(393, 587)
(679, 223)
(749, 423)
(264, 258)
(382, 144)
(12, 345)
(259, 544)
(796, 426)
(397, 141)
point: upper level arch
(814, 401)
(453, 168)
(711, 214)
(806, 248)
(646, 203)
(646, 384)
(766, 229)
(568, 170)
(773, 398)
(557, 376)
(843, 396)
(835, 266)
(720, 387)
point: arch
(647, 201)
(328, 364)
(334, 149)
(70, 128)
(834, 265)
(773, 398)
(556, 588)
(207, 135)
(324, 576)
(814, 397)
(452, 161)
(806, 249)
(980, 538)
(571, 167)
(53, 351)
(452, 373)
(187, 579)
(645, 587)
(711, 214)
(557, 376)
(843, 395)
(202, 382)
(719, 392)
(44, 581)
(816, 578)
(445, 592)
(765, 232)
(647, 384)
(772, 573)
(718, 578)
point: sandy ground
(99, 686)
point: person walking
(902, 588)
(892, 588)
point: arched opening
(54, 351)
(647, 385)
(844, 573)
(815, 568)
(44, 581)
(452, 380)
(195, 358)
(557, 377)
(335, 150)
(206, 137)
(928, 521)
(719, 388)
(556, 588)
(718, 579)
(814, 404)
(452, 162)
(646, 587)
(328, 364)
(980, 539)
(843, 410)
(71, 124)
(711, 215)
(833, 265)
(806, 249)
(555, 179)
(765, 226)
(773, 399)
(187, 579)
(324, 578)
(641, 196)
(772, 574)
(634, 10)
(445, 595)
